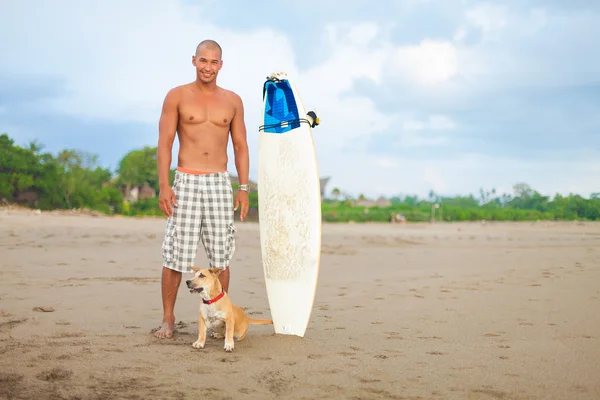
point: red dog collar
(215, 299)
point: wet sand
(443, 311)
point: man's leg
(218, 234)
(179, 248)
(170, 285)
(224, 279)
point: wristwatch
(245, 188)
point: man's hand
(241, 198)
(166, 197)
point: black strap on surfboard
(283, 123)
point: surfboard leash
(283, 124)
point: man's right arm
(167, 128)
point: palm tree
(336, 192)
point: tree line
(73, 179)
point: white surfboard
(289, 205)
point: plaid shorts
(204, 213)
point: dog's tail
(260, 321)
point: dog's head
(204, 280)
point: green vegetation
(73, 179)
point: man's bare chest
(216, 112)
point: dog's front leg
(229, 329)
(199, 344)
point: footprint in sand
(11, 384)
(394, 335)
(525, 323)
(492, 334)
(181, 325)
(43, 309)
(55, 374)
(12, 323)
(229, 360)
(363, 380)
(492, 393)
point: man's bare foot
(166, 330)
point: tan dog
(216, 310)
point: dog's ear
(215, 271)
(194, 268)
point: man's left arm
(242, 157)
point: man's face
(208, 63)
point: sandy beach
(423, 311)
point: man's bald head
(209, 44)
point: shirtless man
(199, 205)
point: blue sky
(413, 95)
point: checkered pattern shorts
(204, 213)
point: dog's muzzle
(193, 290)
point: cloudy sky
(413, 95)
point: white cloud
(528, 48)
(429, 63)
(460, 35)
(490, 18)
(386, 163)
(433, 122)
(429, 132)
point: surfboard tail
(260, 321)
